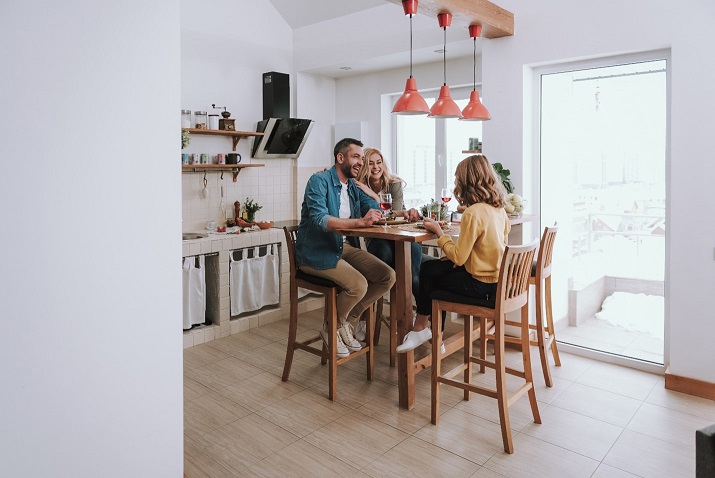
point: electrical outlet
(229, 214)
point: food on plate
(397, 220)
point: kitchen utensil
(205, 190)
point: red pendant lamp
(411, 102)
(444, 107)
(475, 110)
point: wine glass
(385, 205)
(446, 195)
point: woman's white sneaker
(413, 340)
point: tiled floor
(599, 420)
(600, 335)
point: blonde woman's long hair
(386, 178)
(476, 181)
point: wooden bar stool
(330, 290)
(390, 322)
(541, 280)
(512, 295)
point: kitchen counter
(222, 245)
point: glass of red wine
(446, 196)
(385, 205)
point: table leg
(403, 307)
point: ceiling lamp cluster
(412, 103)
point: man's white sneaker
(346, 333)
(342, 351)
(361, 331)
(413, 340)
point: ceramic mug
(233, 158)
(211, 225)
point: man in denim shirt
(332, 201)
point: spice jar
(200, 120)
(186, 118)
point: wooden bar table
(401, 302)
(401, 295)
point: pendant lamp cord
(410, 45)
(444, 57)
(475, 64)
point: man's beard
(347, 170)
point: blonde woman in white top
(375, 178)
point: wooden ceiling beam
(496, 22)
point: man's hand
(370, 217)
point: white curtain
(254, 282)
(194, 282)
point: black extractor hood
(283, 137)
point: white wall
(90, 340)
(548, 32)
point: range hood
(282, 137)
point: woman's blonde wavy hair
(386, 178)
(476, 181)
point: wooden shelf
(234, 168)
(471, 151)
(234, 135)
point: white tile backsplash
(273, 186)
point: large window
(427, 150)
(603, 130)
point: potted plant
(433, 209)
(251, 207)
(185, 140)
(504, 176)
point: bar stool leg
(540, 339)
(550, 322)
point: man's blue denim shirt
(315, 245)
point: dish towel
(254, 281)
(194, 283)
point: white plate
(392, 222)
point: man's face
(350, 161)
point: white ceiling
(301, 13)
(366, 36)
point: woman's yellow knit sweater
(483, 235)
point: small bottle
(200, 120)
(186, 118)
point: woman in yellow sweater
(471, 266)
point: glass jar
(200, 120)
(186, 118)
